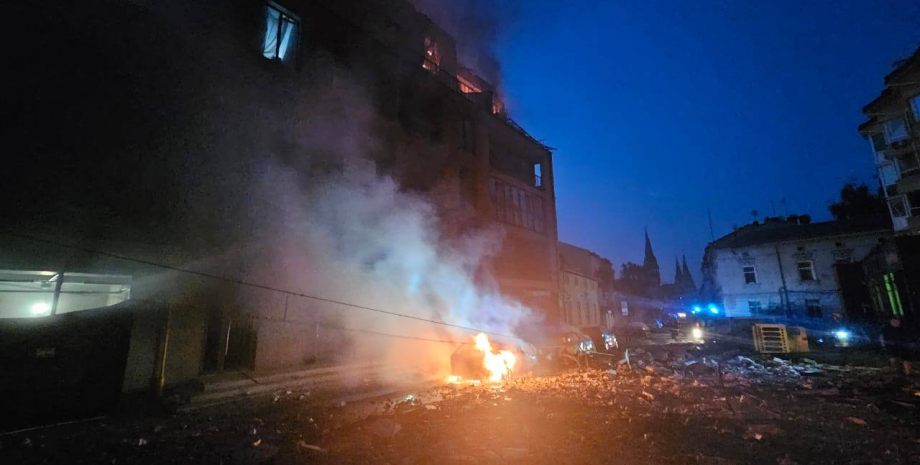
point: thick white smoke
(355, 236)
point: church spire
(678, 276)
(650, 264)
(688, 278)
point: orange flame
(499, 365)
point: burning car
(481, 361)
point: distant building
(893, 130)
(581, 291)
(785, 267)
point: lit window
(895, 130)
(915, 104)
(750, 276)
(898, 209)
(432, 59)
(280, 35)
(813, 307)
(806, 271)
(755, 307)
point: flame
(499, 365)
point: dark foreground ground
(669, 407)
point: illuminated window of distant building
(806, 270)
(813, 308)
(280, 36)
(895, 130)
(750, 275)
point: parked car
(603, 338)
(630, 331)
(565, 345)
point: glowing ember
(455, 379)
(500, 364)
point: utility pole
(782, 277)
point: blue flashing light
(842, 334)
(697, 309)
(713, 309)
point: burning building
(154, 131)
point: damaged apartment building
(892, 127)
(192, 90)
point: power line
(243, 283)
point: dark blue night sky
(660, 109)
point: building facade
(582, 290)
(893, 131)
(785, 268)
(196, 95)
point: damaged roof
(773, 232)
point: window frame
(810, 268)
(283, 15)
(904, 208)
(751, 307)
(811, 305)
(888, 132)
(753, 273)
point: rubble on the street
(670, 404)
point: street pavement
(671, 405)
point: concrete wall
(141, 371)
(823, 253)
(580, 300)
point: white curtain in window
(269, 45)
(288, 35)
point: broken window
(888, 174)
(895, 130)
(280, 36)
(908, 165)
(897, 207)
(750, 276)
(806, 270)
(432, 59)
(513, 205)
(913, 203)
(467, 87)
(813, 308)
(879, 144)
